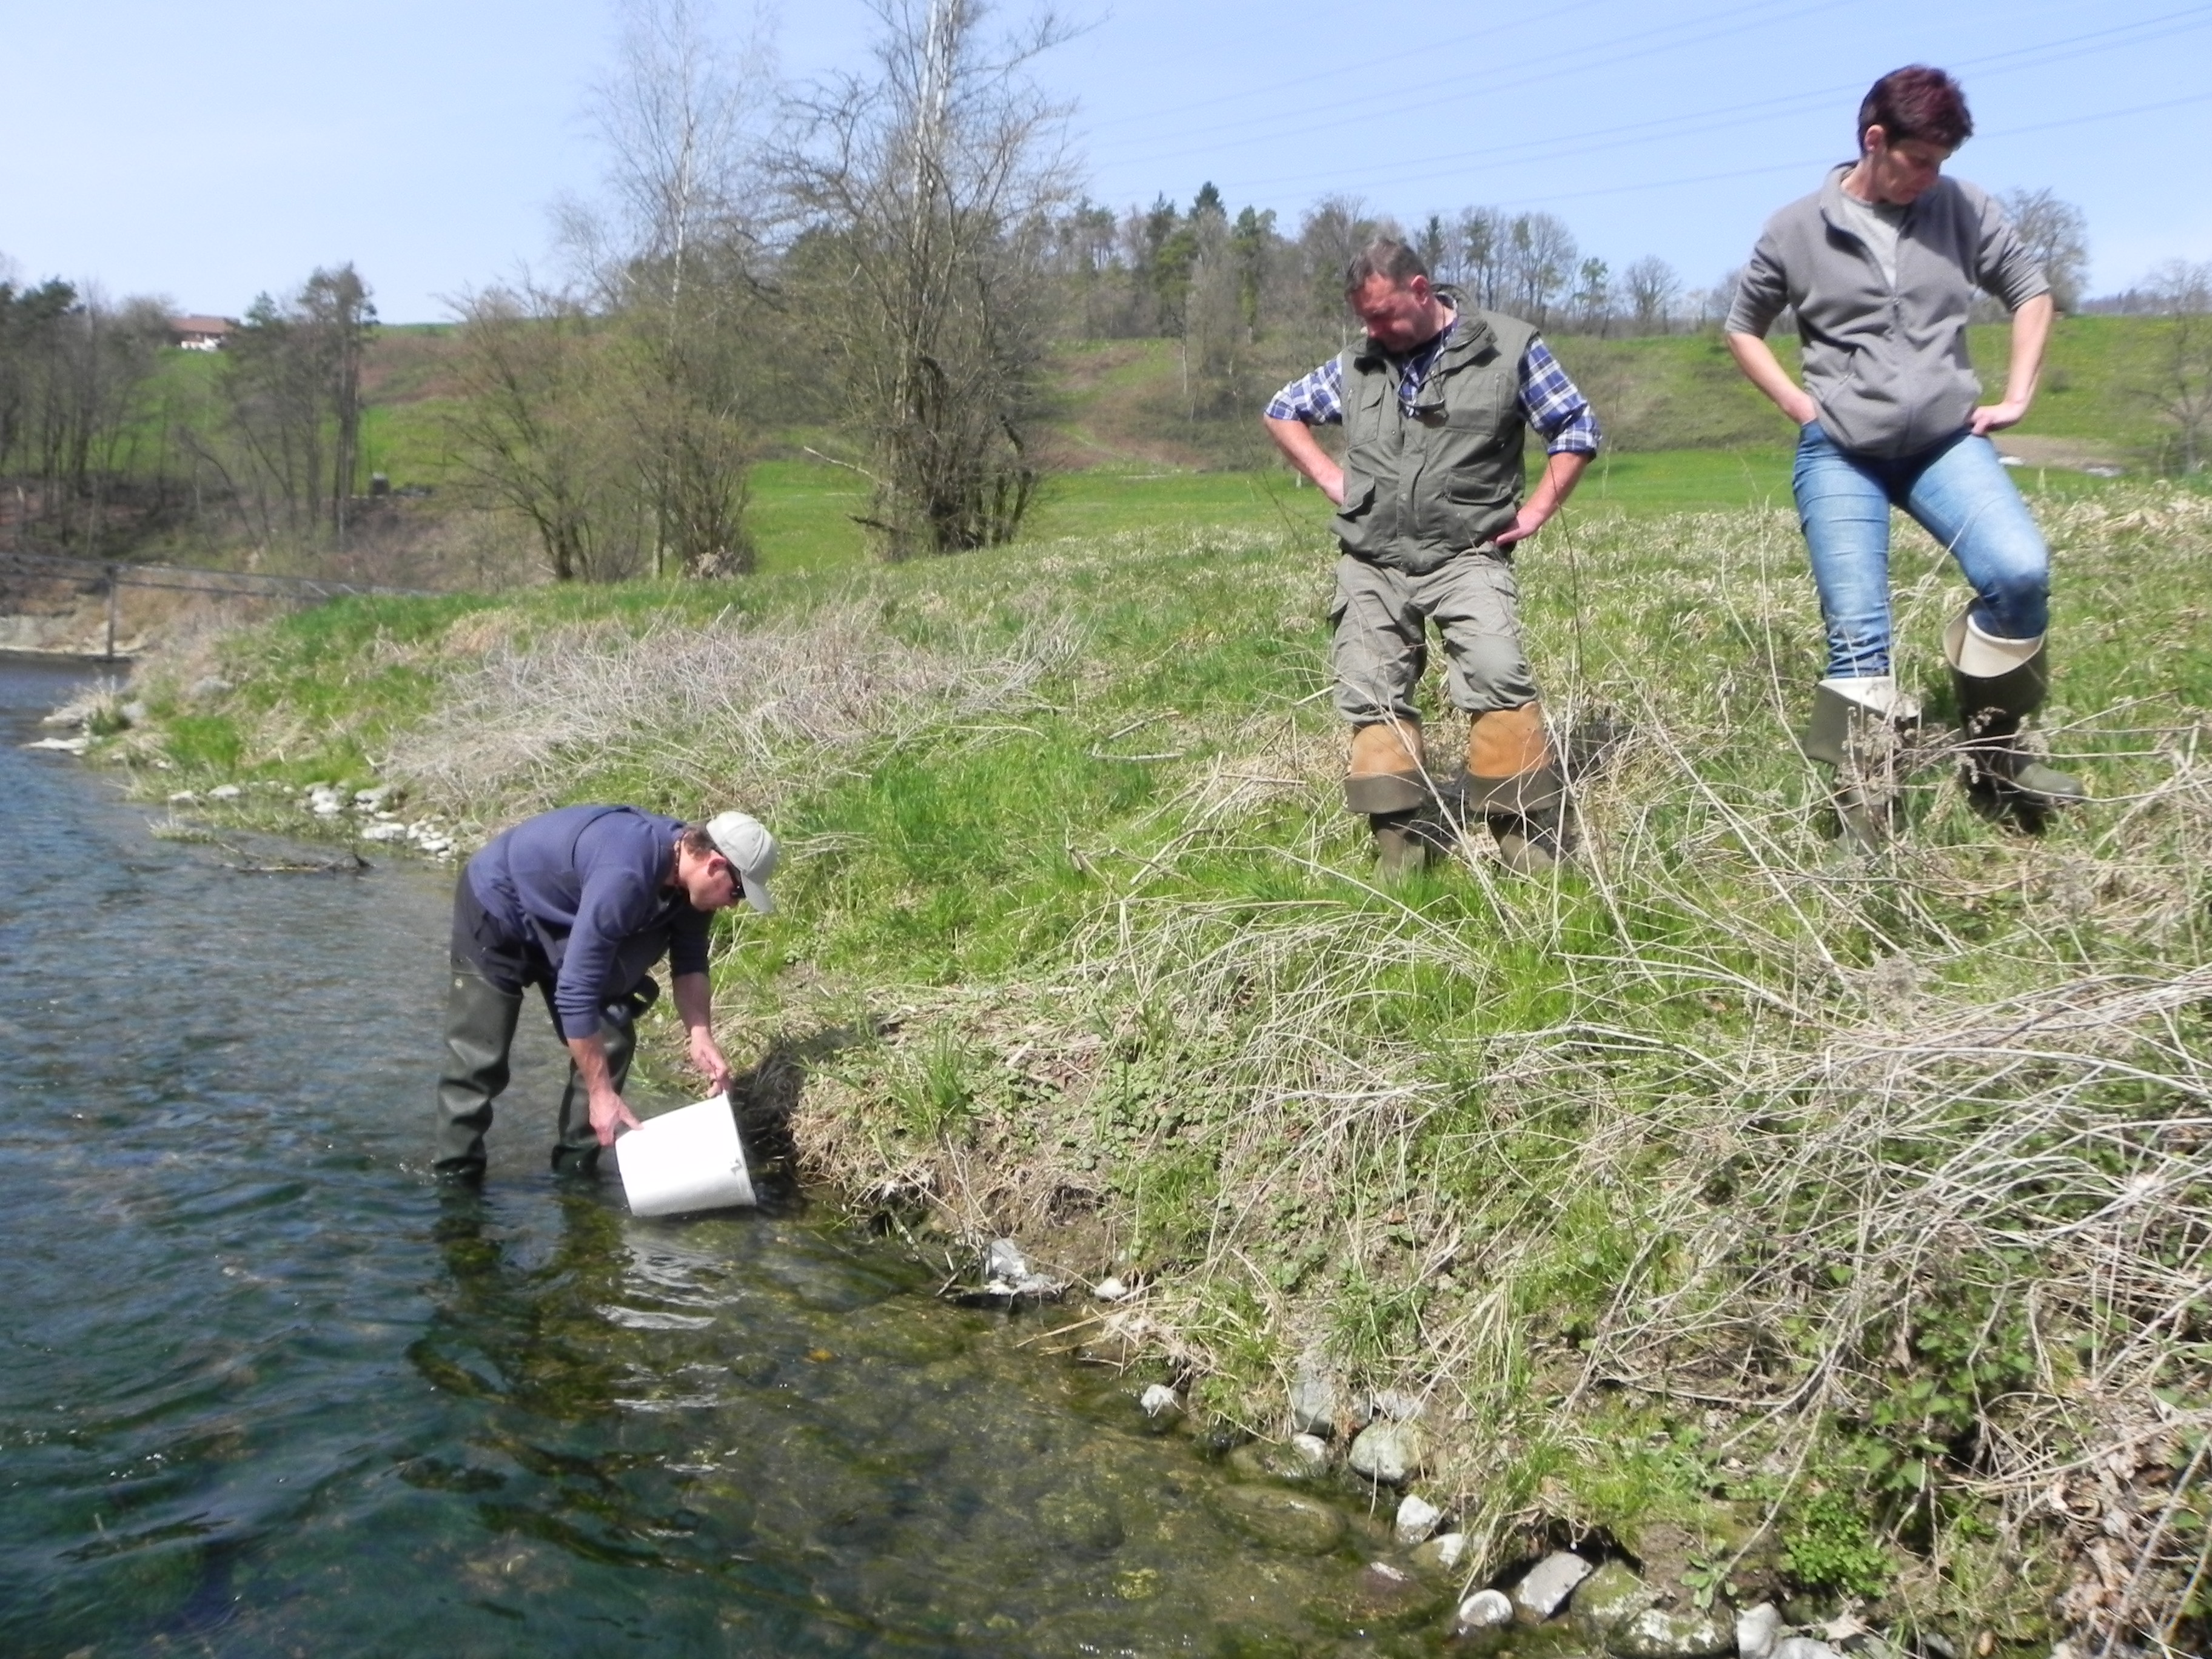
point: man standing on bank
(1881, 264)
(1436, 401)
(580, 902)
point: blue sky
(207, 153)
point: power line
(1534, 151)
(1516, 75)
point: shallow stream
(265, 1390)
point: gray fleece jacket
(1886, 366)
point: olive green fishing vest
(1420, 488)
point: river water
(265, 1390)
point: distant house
(200, 333)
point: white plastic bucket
(687, 1159)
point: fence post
(113, 572)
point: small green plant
(1828, 1543)
(933, 1092)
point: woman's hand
(1995, 418)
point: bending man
(580, 902)
(1436, 401)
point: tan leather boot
(1387, 782)
(1512, 780)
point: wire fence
(113, 575)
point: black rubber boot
(1528, 815)
(480, 1021)
(1396, 804)
(1864, 730)
(1992, 709)
(577, 1152)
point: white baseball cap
(744, 841)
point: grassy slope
(1076, 942)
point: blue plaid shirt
(1549, 401)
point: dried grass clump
(699, 710)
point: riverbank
(1825, 1228)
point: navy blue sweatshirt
(583, 890)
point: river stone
(1390, 1454)
(1313, 1452)
(1443, 1553)
(1161, 1403)
(1655, 1633)
(1287, 1520)
(1544, 1586)
(1757, 1630)
(1313, 1399)
(1075, 1519)
(1417, 1519)
(1804, 1647)
(1607, 1597)
(1486, 1609)
(1262, 1462)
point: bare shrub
(708, 711)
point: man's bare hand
(609, 1113)
(707, 1057)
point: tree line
(104, 435)
(876, 267)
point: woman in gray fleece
(1881, 264)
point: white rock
(372, 799)
(61, 745)
(1312, 1450)
(1004, 1260)
(1390, 1453)
(135, 712)
(1110, 1289)
(1450, 1548)
(1757, 1630)
(1395, 1404)
(1313, 1397)
(1804, 1647)
(1546, 1586)
(1159, 1400)
(183, 798)
(385, 832)
(1486, 1609)
(225, 791)
(1417, 1519)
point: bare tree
(539, 431)
(1540, 257)
(675, 261)
(1593, 296)
(926, 190)
(1651, 285)
(1482, 245)
(2182, 387)
(2058, 232)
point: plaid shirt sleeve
(1550, 402)
(1317, 400)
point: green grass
(1064, 831)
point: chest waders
(1426, 482)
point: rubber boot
(1513, 782)
(479, 1032)
(1999, 683)
(1863, 730)
(1387, 782)
(577, 1152)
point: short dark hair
(1917, 102)
(1385, 257)
(695, 841)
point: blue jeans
(1959, 495)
